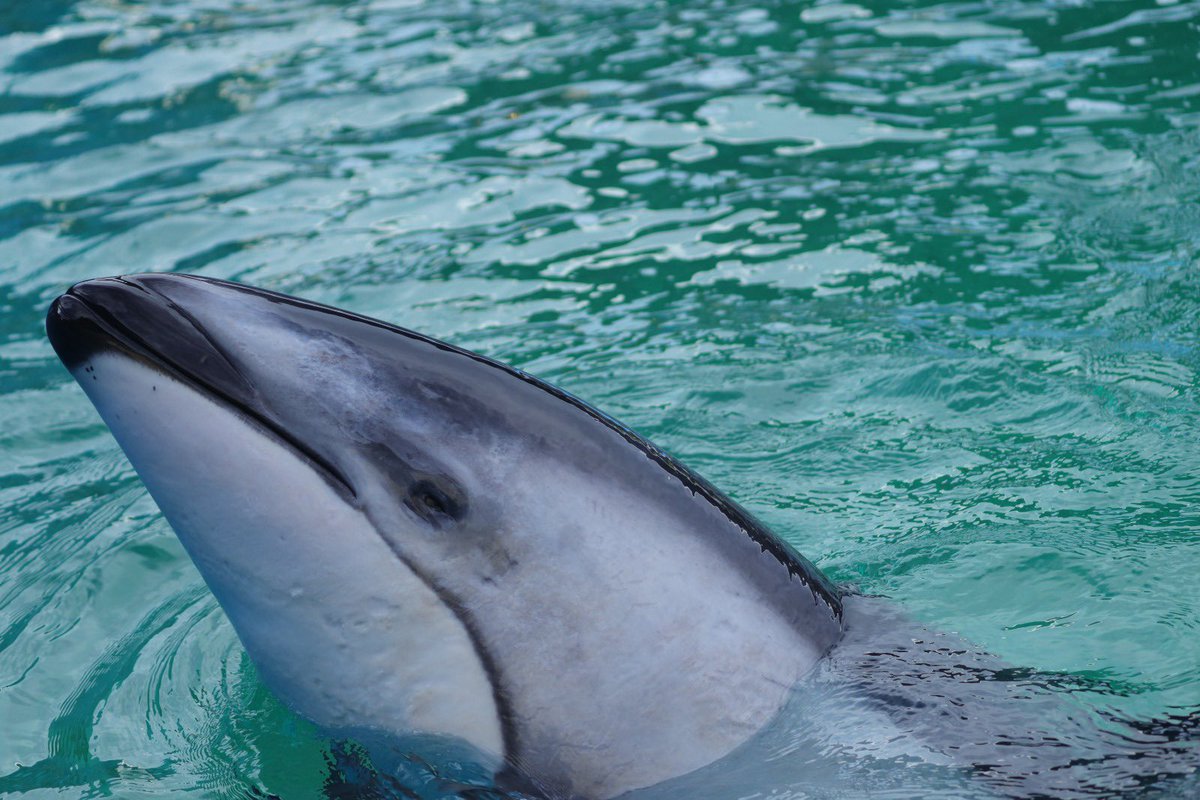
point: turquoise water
(915, 283)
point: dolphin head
(409, 537)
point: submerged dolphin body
(408, 537)
(411, 538)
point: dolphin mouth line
(134, 346)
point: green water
(916, 283)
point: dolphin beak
(72, 330)
(126, 314)
(130, 316)
(76, 329)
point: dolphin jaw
(339, 627)
(80, 326)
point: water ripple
(916, 283)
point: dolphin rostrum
(412, 538)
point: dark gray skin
(628, 623)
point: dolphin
(412, 538)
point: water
(916, 283)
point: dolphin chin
(410, 538)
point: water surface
(915, 282)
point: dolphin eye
(434, 504)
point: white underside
(339, 628)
